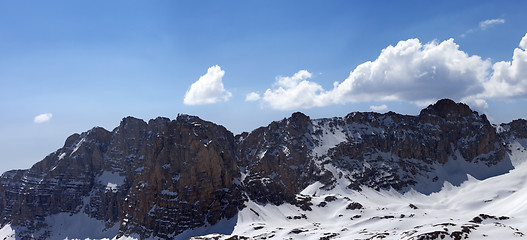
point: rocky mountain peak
(187, 118)
(446, 107)
(158, 124)
(71, 139)
(518, 128)
(298, 117)
(131, 124)
(300, 121)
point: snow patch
(285, 150)
(111, 187)
(68, 226)
(7, 233)
(456, 171)
(78, 145)
(331, 136)
(79, 226)
(518, 151)
(262, 154)
(111, 180)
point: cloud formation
(415, 72)
(252, 96)
(379, 108)
(490, 22)
(294, 92)
(483, 25)
(412, 72)
(42, 118)
(509, 78)
(208, 88)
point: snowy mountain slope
(445, 142)
(493, 208)
(365, 175)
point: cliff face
(370, 149)
(416, 146)
(276, 160)
(157, 179)
(57, 184)
(188, 179)
(160, 178)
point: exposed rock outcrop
(189, 178)
(277, 159)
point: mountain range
(447, 173)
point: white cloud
(252, 96)
(483, 25)
(416, 73)
(490, 22)
(379, 108)
(478, 104)
(523, 42)
(509, 78)
(466, 33)
(410, 71)
(42, 118)
(294, 92)
(208, 88)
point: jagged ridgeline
(161, 178)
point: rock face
(59, 183)
(158, 179)
(415, 145)
(188, 179)
(515, 129)
(277, 160)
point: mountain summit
(179, 178)
(445, 107)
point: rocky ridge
(161, 178)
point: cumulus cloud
(416, 73)
(294, 92)
(509, 78)
(379, 108)
(490, 22)
(410, 71)
(252, 96)
(476, 103)
(42, 118)
(208, 88)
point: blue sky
(91, 63)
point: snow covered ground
(494, 208)
(66, 226)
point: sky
(68, 66)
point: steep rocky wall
(157, 178)
(276, 159)
(188, 180)
(400, 149)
